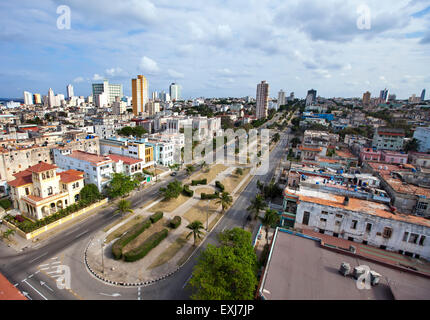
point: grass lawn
(118, 232)
(155, 227)
(170, 252)
(231, 182)
(211, 174)
(199, 210)
(169, 205)
(190, 251)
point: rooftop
(90, 157)
(126, 160)
(8, 291)
(301, 267)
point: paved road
(67, 249)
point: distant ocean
(4, 100)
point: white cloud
(97, 77)
(148, 65)
(115, 72)
(174, 74)
(78, 80)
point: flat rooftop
(300, 268)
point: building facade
(139, 88)
(262, 100)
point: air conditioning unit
(374, 277)
(358, 271)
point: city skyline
(330, 54)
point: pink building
(369, 154)
(394, 157)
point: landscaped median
(29, 229)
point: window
(324, 212)
(354, 224)
(323, 220)
(339, 215)
(422, 206)
(387, 232)
(422, 239)
(305, 220)
(368, 227)
(405, 236)
(350, 239)
(50, 191)
(27, 192)
(413, 238)
(336, 235)
(337, 223)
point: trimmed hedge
(219, 185)
(175, 222)
(128, 237)
(144, 248)
(5, 204)
(196, 182)
(187, 192)
(205, 196)
(156, 216)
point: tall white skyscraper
(51, 98)
(262, 100)
(154, 95)
(70, 91)
(175, 92)
(28, 98)
(281, 98)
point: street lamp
(207, 215)
(103, 260)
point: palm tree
(256, 205)
(225, 200)
(270, 218)
(8, 233)
(195, 230)
(190, 169)
(124, 206)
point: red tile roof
(71, 176)
(90, 157)
(42, 166)
(126, 160)
(8, 291)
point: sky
(217, 48)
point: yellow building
(40, 191)
(139, 89)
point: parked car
(173, 174)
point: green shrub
(187, 192)
(197, 182)
(5, 204)
(205, 196)
(144, 248)
(128, 237)
(239, 171)
(156, 216)
(219, 185)
(175, 222)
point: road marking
(16, 284)
(43, 265)
(44, 284)
(54, 258)
(26, 295)
(138, 293)
(186, 282)
(39, 257)
(81, 234)
(111, 295)
(36, 290)
(30, 276)
(223, 229)
(72, 231)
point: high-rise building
(139, 88)
(366, 98)
(423, 95)
(111, 90)
(70, 92)
(37, 98)
(175, 92)
(311, 97)
(28, 98)
(51, 98)
(101, 100)
(152, 107)
(384, 95)
(262, 100)
(154, 95)
(392, 97)
(291, 98)
(281, 98)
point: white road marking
(186, 282)
(44, 284)
(30, 276)
(44, 265)
(26, 295)
(111, 295)
(36, 290)
(81, 234)
(39, 257)
(54, 258)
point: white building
(281, 98)
(175, 92)
(70, 93)
(28, 98)
(97, 169)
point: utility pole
(207, 216)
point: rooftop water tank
(358, 271)
(345, 269)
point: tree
(190, 169)
(270, 219)
(228, 272)
(124, 206)
(173, 190)
(225, 200)
(121, 185)
(412, 145)
(257, 204)
(195, 228)
(90, 193)
(295, 141)
(276, 137)
(239, 171)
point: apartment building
(388, 138)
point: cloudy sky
(217, 48)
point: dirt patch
(156, 227)
(169, 205)
(232, 181)
(212, 173)
(200, 209)
(206, 190)
(170, 252)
